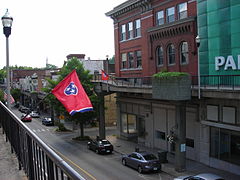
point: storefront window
(124, 123)
(225, 145)
(128, 123)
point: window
(229, 115)
(184, 53)
(171, 54)
(130, 30)
(182, 10)
(212, 113)
(137, 28)
(124, 61)
(160, 135)
(159, 55)
(190, 142)
(128, 123)
(170, 14)
(123, 32)
(160, 18)
(225, 145)
(130, 60)
(139, 59)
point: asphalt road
(90, 165)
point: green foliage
(61, 128)
(169, 75)
(85, 78)
(50, 66)
(2, 75)
(16, 93)
(80, 138)
(1, 95)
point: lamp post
(199, 83)
(7, 25)
(107, 64)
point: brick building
(156, 35)
(151, 36)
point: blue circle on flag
(71, 89)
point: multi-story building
(159, 35)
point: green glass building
(219, 32)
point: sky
(52, 29)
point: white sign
(183, 148)
(228, 63)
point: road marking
(64, 157)
(34, 130)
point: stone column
(102, 133)
(180, 152)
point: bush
(61, 127)
(168, 75)
(84, 138)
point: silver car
(142, 161)
(203, 176)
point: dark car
(142, 161)
(26, 118)
(47, 121)
(24, 109)
(100, 146)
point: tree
(16, 93)
(1, 95)
(85, 78)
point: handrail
(37, 159)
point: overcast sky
(55, 28)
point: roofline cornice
(129, 6)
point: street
(90, 165)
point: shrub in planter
(171, 86)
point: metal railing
(38, 160)
(228, 82)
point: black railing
(231, 82)
(38, 160)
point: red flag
(104, 75)
(11, 98)
(72, 95)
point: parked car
(34, 114)
(203, 176)
(47, 121)
(24, 109)
(142, 161)
(26, 118)
(100, 146)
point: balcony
(211, 86)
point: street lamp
(7, 25)
(198, 44)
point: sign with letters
(228, 63)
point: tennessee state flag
(72, 95)
(104, 75)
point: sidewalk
(8, 162)
(192, 167)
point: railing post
(50, 170)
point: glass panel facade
(229, 115)
(219, 32)
(225, 145)
(124, 61)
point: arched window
(171, 54)
(184, 53)
(159, 55)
